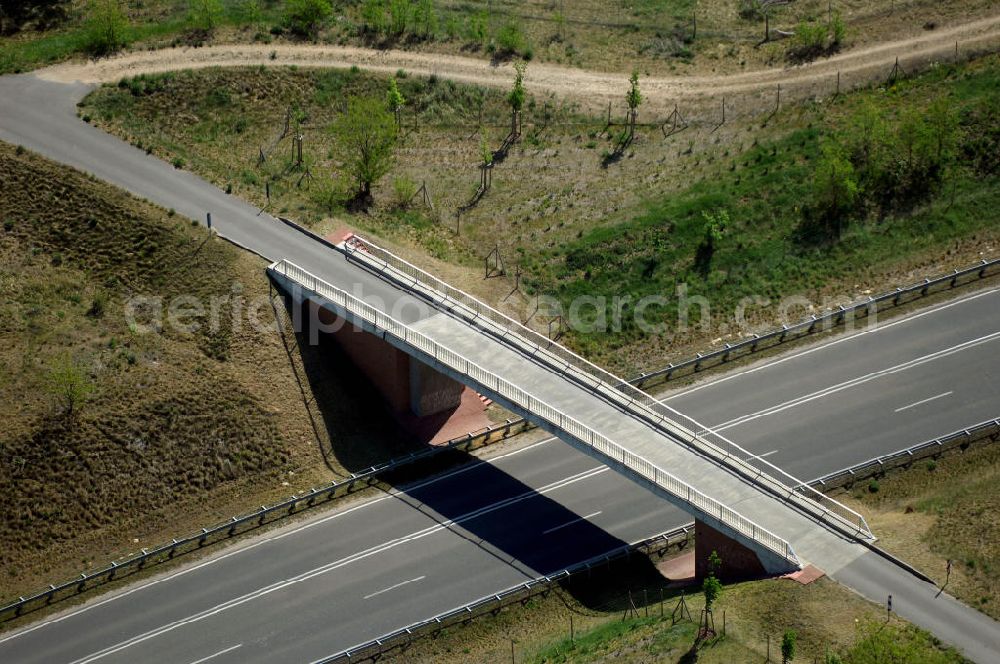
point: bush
(425, 19)
(510, 39)
(404, 189)
(306, 17)
(873, 486)
(99, 305)
(812, 40)
(205, 14)
(8, 225)
(399, 16)
(105, 27)
(373, 17)
(751, 10)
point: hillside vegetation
(940, 510)
(114, 438)
(829, 200)
(656, 35)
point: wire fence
(540, 348)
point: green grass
(959, 493)
(161, 23)
(765, 251)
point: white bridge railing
(493, 383)
(620, 391)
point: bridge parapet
(775, 553)
(509, 331)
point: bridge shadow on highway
(490, 508)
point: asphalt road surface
(359, 573)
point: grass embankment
(767, 249)
(941, 510)
(632, 228)
(168, 431)
(827, 618)
(653, 35)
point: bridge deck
(450, 339)
(813, 542)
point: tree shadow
(504, 517)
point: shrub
(105, 27)
(399, 16)
(306, 17)
(751, 10)
(205, 14)
(177, 162)
(98, 305)
(873, 486)
(57, 259)
(8, 225)
(510, 39)
(404, 189)
(373, 17)
(425, 19)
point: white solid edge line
(842, 339)
(337, 564)
(850, 383)
(923, 401)
(221, 652)
(394, 586)
(242, 548)
(570, 523)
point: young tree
(835, 188)
(367, 134)
(106, 26)
(788, 646)
(399, 16)
(205, 14)
(714, 225)
(516, 97)
(633, 98)
(69, 383)
(425, 19)
(395, 100)
(306, 17)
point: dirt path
(855, 67)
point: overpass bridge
(760, 519)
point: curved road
(355, 574)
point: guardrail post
(954, 278)
(982, 270)
(927, 285)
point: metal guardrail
(990, 429)
(875, 465)
(504, 390)
(240, 524)
(605, 384)
(493, 602)
(814, 324)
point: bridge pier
(738, 560)
(407, 384)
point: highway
(345, 577)
(352, 575)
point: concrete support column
(738, 561)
